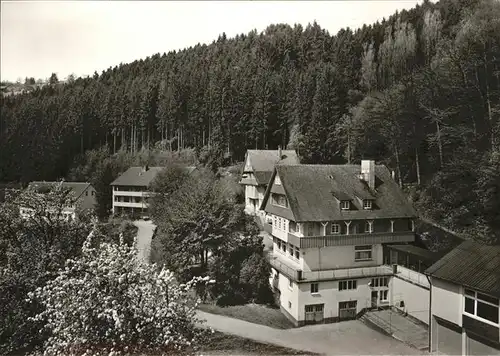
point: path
(144, 235)
(345, 338)
(400, 327)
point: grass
(224, 344)
(253, 313)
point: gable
(267, 203)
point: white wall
(416, 298)
(288, 294)
(330, 295)
(337, 257)
(446, 301)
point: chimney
(279, 153)
(368, 172)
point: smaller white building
(464, 299)
(84, 193)
(131, 190)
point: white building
(131, 190)
(257, 171)
(328, 225)
(83, 192)
(465, 293)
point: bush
(108, 301)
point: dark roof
(139, 177)
(310, 191)
(77, 187)
(419, 252)
(472, 265)
(263, 162)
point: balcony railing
(298, 275)
(353, 239)
(293, 273)
(347, 273)
(412, 276)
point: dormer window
(345, 204)
(280, 200)
(367, 204)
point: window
(335, 229)
(345, 285)
(297, 253)
(280, 200)
(383, 295)
(290, 249)
(93, 193)
(363, 253)
(345, 204)
(86, 193)
(278, 243)
(290, 283)
(292, 226)
(380, 282)
(481, 306)
(283, 246)
(314, 288)
(367, 204)
(369, 226)
(289, 305)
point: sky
(80, 37)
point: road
(144, 235)
(346, 338)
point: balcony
(287, 270)
(347, 273)
(130, 204)
(353, 239)
(131, 193)
(413, 276)
(298, 275)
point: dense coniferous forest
(418, 92)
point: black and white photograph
(253, 177)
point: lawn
(224, 344)
(254, 313)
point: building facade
(464, 298)
(329, 224)
(131, 190)
(84, 193)
(257, 171)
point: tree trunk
(417, 161)
(114, 141)
(440, 146)
(398, 165)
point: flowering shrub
(109, 302)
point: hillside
(418, 92)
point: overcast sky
(38, 37)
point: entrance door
(314, 313)
(374, 298)
(347, 310)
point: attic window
(280, 200)
(345, 204)
(367, 204)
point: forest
(418, 92)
